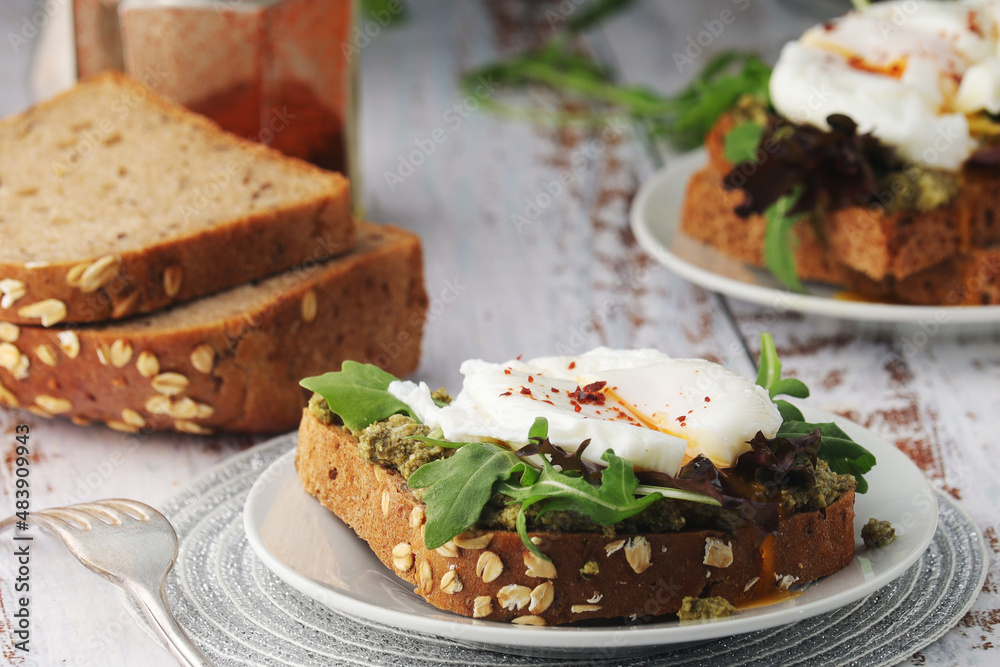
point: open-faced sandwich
(874, 161)
(616, 483)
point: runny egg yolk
(663, 426)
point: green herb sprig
(682, 119)
(837, 448)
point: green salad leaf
(438, 442)
(742, 141)
(769, 373)
(459, 486)
(358, 394)
(836, 447)
(779, 243)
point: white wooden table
(572, 279)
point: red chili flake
(506, 393)
(525, 391)
(506, 371)
(681, 419)
(548, 401)
(554, 390)
(519, 357)
(708, 400)
(572, 365)
(576, 407)
(531, 378)
(973, 22)
(591, 393)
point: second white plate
(310, 549)
(655, 217)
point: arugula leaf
(612, 501)
(682, 119)
(842, 454)
(539, 429)
(358, 394)
(789, 413)
(779, 244)
(677, 494)
(460, 486)
(769, 373)
(438, 442)
(742, 141)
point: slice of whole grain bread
(230, 361)
(114, 202)
(490, 575)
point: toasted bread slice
(115, 202)
(231, 361)
(490, 575)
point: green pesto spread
(697, 609)
(918, 189)
(389, 444)
(319, 408)
(829, 486)
(878, 533)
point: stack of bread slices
(949, 255)
(157, 272)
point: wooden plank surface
(528, 252)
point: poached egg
(909, 71)
(647, 407)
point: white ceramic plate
(309, 548)
(655, 217)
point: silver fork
(132, 545)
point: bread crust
(240, 353)
(247, 244)
(377, 504)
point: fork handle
(154, 608)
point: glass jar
(272, 70)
